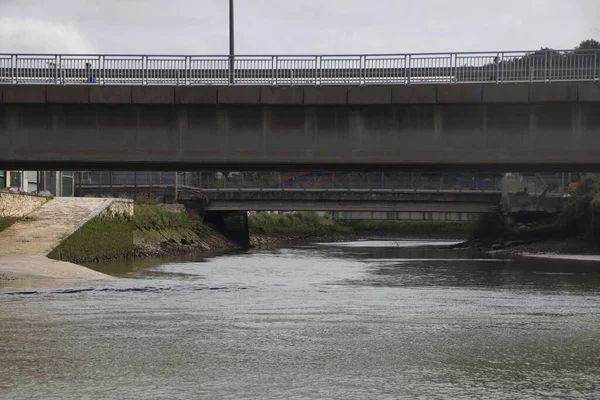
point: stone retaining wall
(118, 209)
(14, 205)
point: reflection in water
(356, 321)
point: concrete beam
(552, 92)
(196, 95)
(425, 94)
(472, 93)
(589, 91)
(68, 94)
(238, 95)
(326, 95)
(282, 95)
(110, 94)
(24, 94)
(506, 93)
(369, 95)
(153, 95)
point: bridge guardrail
(275, 181)
(317, 70)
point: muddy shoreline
(569, 246)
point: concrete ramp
(42, 230)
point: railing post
(231, 70)
(101, 70)
(531, 69)
(56, 63)
(408, 69)
(596, 66)
(144, 70)
(545, 66)
(186, 66)
(317, 67)
(499, 57)
(274, 65)
(61, 72)
(453, 68)
(13, 69)
(363, 72)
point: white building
(57, 183)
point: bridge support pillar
(231, 224)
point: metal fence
(148, 182)
(402, 69)
(537, 184)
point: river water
(361, 320)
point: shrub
(147, 217)
(294, 223)
(583, 207)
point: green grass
(155, 217)
(105, 239)
(97, 239)
(5, 224)
(294, 224)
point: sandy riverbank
(38, 271)
(574, 257)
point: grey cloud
(294, 27)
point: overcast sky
(294, 26)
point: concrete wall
(307, 95)
(19, 205)
(506, 127)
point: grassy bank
(152, 231)
(5, 224)
(305, 223)
(98, 239)
(431, 229)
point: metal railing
(397, 69)
(141, 182)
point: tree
(588, 44)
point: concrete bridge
(356, 195)
(347, 200)
(530, 111)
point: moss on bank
(152, 231)
(300, 223)
(147, 217)
(5, 224)
(98, 239)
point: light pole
(231, 42)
